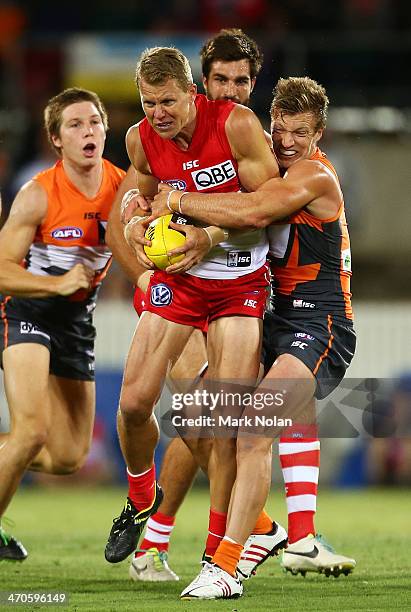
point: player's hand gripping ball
(163, 239)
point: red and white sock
(300, 463)
(158, 533)
(216, 530)
(141, 488)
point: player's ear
(192, 90)
(253, 83)
(319, 135)
(204, 80)
(56, 140)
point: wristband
(179, 201)
(168, 200)
(209, 236)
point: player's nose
(159, 112)
(287, 139)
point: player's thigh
(73, 407)
(234, 346)
(156, 345)
(191, 362)
(26, 377)
(293, 379)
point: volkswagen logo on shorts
(161, 295)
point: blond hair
(301, 95)
(158, 64)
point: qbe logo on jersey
(161, 295)
(214, 175)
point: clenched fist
(79, 277)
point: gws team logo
(346, 260)
(161, 295)
(177, 184)
(67, 233)
(214, 175)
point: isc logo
(214, 175)
(67, 233)
(238, 259)
(301, 345)
(191, 164)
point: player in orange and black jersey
(311, 269)
(56, 228)
(309, 338)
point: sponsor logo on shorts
(238, 259)
(214, 175)
(177, 184)
(302, 304)
(161, 295)
(67, 233)
(299, 344)
(91, 307)
(304, 335)
(29, 328)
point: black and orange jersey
(311, 260)
(73, 230)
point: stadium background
(357, 50)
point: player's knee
(252, 445)
(31, 439)
(136, 406)
(69, 463)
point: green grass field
(65, 531)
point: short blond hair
(301, 95)
(159, 64)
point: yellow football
(163, 239)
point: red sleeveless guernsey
(207, 166)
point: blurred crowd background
(359, 50)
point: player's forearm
(18, 282)
(231, 210)
(122, 252)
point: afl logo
(177, 184)
(161, 295)
(67, 233)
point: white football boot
(313, 554)
(152, 567)
(258, 548)
(213, 583)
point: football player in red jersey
(181, 128)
